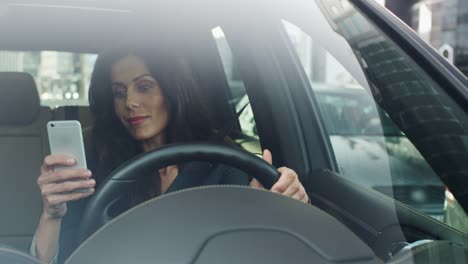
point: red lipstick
(137, 120)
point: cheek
(163, 113)
(118, 109)
(157, 104)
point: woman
(140, 101)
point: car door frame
(379, 220)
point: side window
(369, 148)
(248, 136)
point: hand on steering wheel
(288, 183)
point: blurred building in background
(442, 23)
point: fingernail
(70, 161)
(87, 173)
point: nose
(133, 99)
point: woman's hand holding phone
(60, 186)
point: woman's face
(138, 100)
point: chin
(145, 134)
(140, 136)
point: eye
(145, 86)
(119, 92)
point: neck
(167, 176)
(153, 143)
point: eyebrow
(133, 80)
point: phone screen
(65, 137)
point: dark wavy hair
(189, 120)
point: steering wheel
(212, 224)
(97, 211)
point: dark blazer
(192, 174)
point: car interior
(346, 223)
(24, 144)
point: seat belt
(226, 129)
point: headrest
(19, 99)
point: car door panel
(379, 220)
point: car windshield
(352, 107)
(350, 112)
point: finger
(286, 178)
(300, 196)
(55, 200)
(63, 175)
(256, 184)
(68, 186)
(267, 156)
(53, 160)
(305, 198)
(292, 189)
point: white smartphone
(65, 137)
